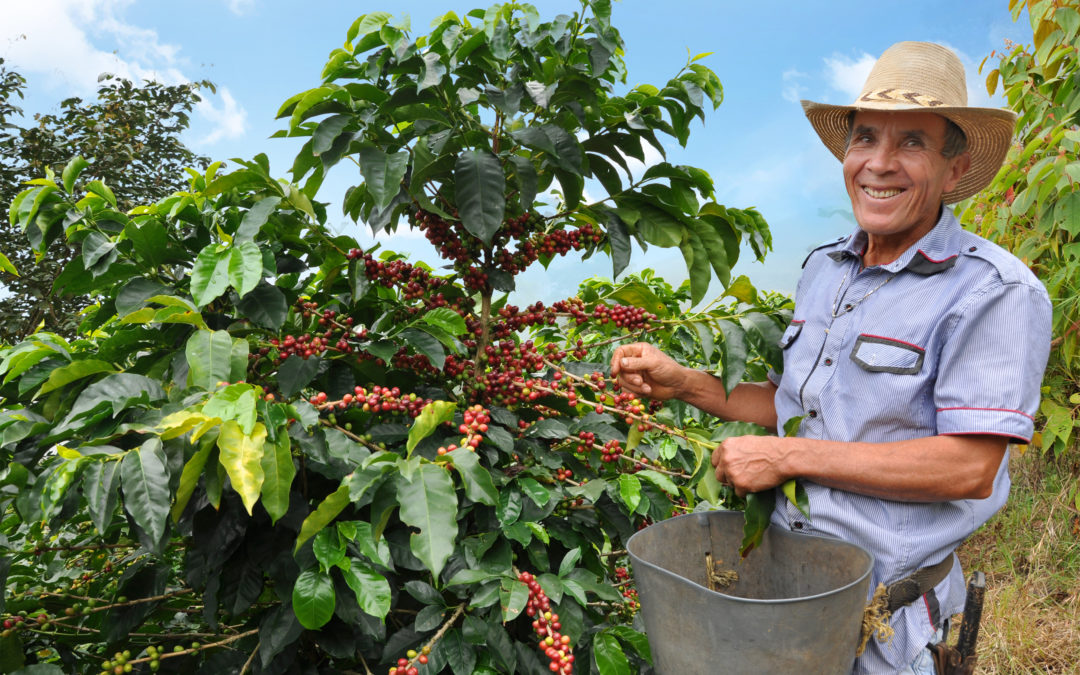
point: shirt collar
(935, 252)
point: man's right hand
(644, 370)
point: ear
(958, 166)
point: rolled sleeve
(992, 363)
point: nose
(881, 158)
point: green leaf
(759, 508)
(383, 174)
(210, 276)
(569, 561)
(796, 494)
(608, 655)
(72, 171)
(525, 175)
(618, 242)
(213, 357)
(278, 473)
(513, 596)
(428, 502)
(637, 640)
(189, 476)
(296, 372)
(313, 599)
(659, 480)
(245, 267)
(432, 72)
(427, 344)
(145, 479)
(477, 481)
(445, 319)
(265, 305)
(6, 266)
(328, 548)
(327, 510)
(101, 483)
(433, 414)
(733, 354)
(255, 218)
(95, 247)
(630, 491)
(76, 370)
(481, 187)
(371, 588)
(697, 266)
(241, 454)
(537, 492)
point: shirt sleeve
(992, 363)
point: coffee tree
(271, 451)
(1033, 207)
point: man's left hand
(751, 463)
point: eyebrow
(911, 133)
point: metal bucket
(796, 607)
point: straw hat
(924, 76)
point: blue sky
(758, 147)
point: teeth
(881, 194)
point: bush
(270, 451)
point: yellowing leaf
(241, 455)
(179, 423)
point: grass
(1030, 552)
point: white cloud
(848, 75)
(229, 119)
(65, 45)
(240, 7)
(976, 82)
(793, 90)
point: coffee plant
(1033, 206)
(269, 450)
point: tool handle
(973, 606)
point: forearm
(937, 468)
(749, 401)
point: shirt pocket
(792, 332)
(877, 354)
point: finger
(716, 457)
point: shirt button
(812, 414)
(797, 525)
(973, 249)
(847, 308)
(828, 362)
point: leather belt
(909, 589)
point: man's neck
(884, 249)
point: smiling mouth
(881, 193)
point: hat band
(900, 96)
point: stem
(485, 331)
(439, 635)
(250, 659)
(219, 643)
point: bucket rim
(636, 560)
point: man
(915, 354)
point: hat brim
(989, 132)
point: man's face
(895, 173)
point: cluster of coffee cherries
(611, 451)
(474, 426)
(456, 244)
(546, 626)
(377, 399)
(563, 474)
(624, 316)
(405, 665)
(328, 331)
(414, 281)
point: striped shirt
(950, 338)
